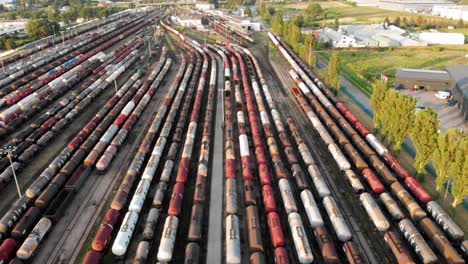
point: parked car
(420, 106)
(444, 94)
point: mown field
(372, 62)
(348, 13)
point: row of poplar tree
(396, 119)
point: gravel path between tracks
(215, 231)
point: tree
(403, 119)
(377, 99)
(396, 22)
(337, 23)
(387, 21)
(40, 28)
(66, 17)
(404, 22)
(397, 118)
(11, 16)
(86, 12)
(261, 7)
(459, 172)
(292, 35)
(299, 20)
(424, 136)
(309, 47)
(334, 71)
(271, 10)
(444, 155)
(266, 17)
(9, 44)
(248, 12)
(314, 10)
(52, 13)
(460, 24)
(277, 23)
(385, 117)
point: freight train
(324, 102)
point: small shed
(422, 79)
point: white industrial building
(204, 6)
(442, 38)
(187, 20)
(374, 35)
(13, 27)
(455, 12)
(336, 39)
(246, 25)
(374, 3)
(412, 5)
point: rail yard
(130, 142)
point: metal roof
(426, 74)
(459, 74)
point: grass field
(303, 5)
(351, 14)
(372, 62)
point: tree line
(44, 18)
(424, 23)
(395, 118)
(303, 44)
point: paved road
(214, 247)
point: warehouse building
(455, 12)
(435, 38)
(422, 79)
(459, 74)
(412, 5)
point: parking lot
(449, 116)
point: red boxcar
(264, 174)
(257, 140)
(246, 172)
(418, 191)
(400, 171)
(375, 184)
(362, 129)
(176, 199)
(111, 217)
(352, 119)
(230, 169)
(260, 156)
(276, 231)
(120, 120)
(342, 107)
(102, 237)
(49, 123)
(389, 159)
(281, 256)
(268, 199)
(183, 170)
(92, 257)
(6, 249)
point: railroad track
(339, 191)
(106, 185)
(321, 99)
(269, 213)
